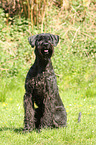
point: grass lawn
(11, 122)
(74, 62)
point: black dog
(41, 87)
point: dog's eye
(39, 40)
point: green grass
(11, 123)
(74, 62)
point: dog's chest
(40, 82)
(44, 82)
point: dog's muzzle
(46, 48)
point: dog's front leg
(29, 121)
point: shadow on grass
(17, 130)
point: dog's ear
(55, 39)
(32, 40)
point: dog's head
(44, 44)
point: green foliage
(74, 62)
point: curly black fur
(41, 87)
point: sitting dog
(41, 87)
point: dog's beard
(44, 52)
